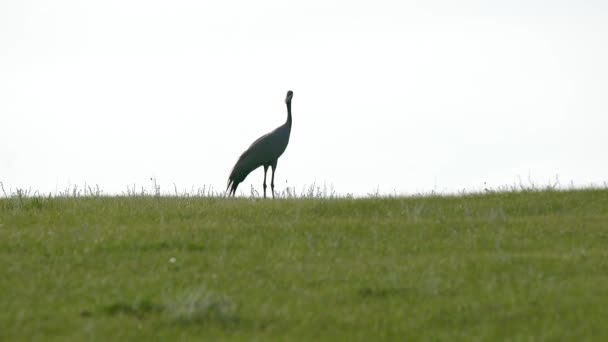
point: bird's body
(265, 151)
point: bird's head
(289, 96)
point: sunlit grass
(500, 265)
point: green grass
(518, 266)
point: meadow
(514, 265)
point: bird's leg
(265, 169)
(273, 166)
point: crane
(265, 151)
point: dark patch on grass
(154, 247)
(86, 313)
(139, 310)
(368, 292)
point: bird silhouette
(263, 152)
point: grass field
(516, 265)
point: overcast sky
(396, 96)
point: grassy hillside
(521, 266)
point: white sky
(395, 96)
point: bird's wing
(248, 161)
(263, 151)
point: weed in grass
(203, 306)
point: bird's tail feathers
(230, 182)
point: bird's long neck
(288, 123)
